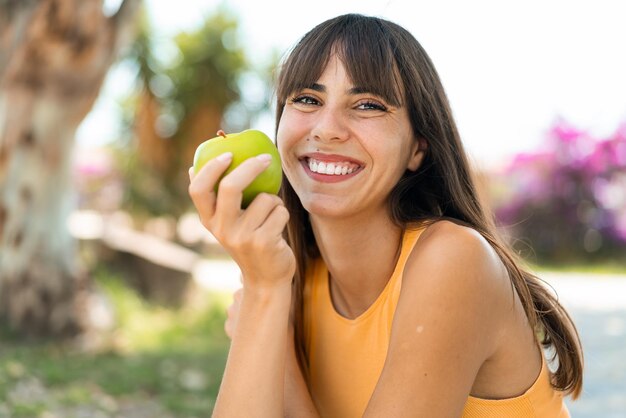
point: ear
(418, 151)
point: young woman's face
(343, 149)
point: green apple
(243, 145)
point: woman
(389, 294)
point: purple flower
(576, 182)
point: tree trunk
(54, 55)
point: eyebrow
(353, 91)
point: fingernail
(265, 158)
(225, 156)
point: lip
(331, 158)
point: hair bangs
(368, 57)
(364, 47)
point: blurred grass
(157, 361)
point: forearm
(298, 402)
(253, 381)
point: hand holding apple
(238, 161)
(243, 145)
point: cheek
(280, 139)
(291, 128)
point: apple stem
(221, 133)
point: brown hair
(387, 60)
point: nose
(330, 126)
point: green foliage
(185, 87)
(166, 361)
(148, 191)
(210, 65)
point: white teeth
(331, 169)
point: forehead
(355, 78)
(369, 60)
(335, 71)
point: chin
(328, 207)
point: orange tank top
(346, 356)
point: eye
(305, 100)
(371, 105)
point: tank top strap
(409, 239)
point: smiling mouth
(335, 168)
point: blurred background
(112, 295)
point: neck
(360, 257)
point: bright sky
(509, 68)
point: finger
(275, 222)
(228, 328)
(232, 310)
(230, 190)
(202, 186)
(214, 168)
(204, 201)
(259, 210)
(238, 295)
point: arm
(445, 327)
(253, 380)
(298, 402)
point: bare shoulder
(455, 266)
(447, 236)
(448, 323)
(448, 252)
